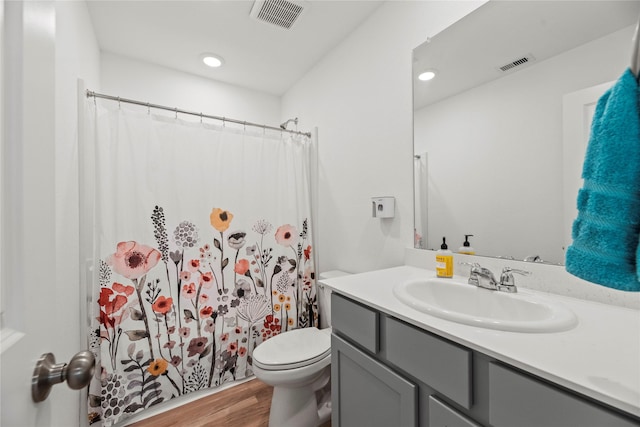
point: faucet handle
(473, 273)
(507, 282)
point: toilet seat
(293, 349)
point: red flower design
(189, 291)
(111, 300)
(206, 311)
(162, 305)
(194, 264)
(307, 252)
(133, 260)
(271, 326)
(241, 267)
(123, 289)
(206, 280)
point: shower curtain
(202, 250)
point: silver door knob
(47, 373)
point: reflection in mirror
(488, 142)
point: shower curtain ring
(148, 108)
(176, 110)
(119, 105)
(200, 116)
(224, 122)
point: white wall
(360, 98)
(495, 153)
(146, 82)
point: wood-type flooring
(244, 405)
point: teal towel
(606, 233)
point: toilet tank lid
(333, 273)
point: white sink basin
(468, 304)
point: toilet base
(299, 408)
(306, 406)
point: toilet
(297, 364)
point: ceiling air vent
(282, 13)
(517, 63)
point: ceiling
(257, 55)
(470, 52)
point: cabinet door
(366, 393)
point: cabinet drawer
(355, 321)
(519, 399)
(441, 415)
(443, 366)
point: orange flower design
(133, 260)
(241, 266)
(162, 305)
(158, 367)
(220, 219)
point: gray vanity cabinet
(387, 373)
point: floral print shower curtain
(202, 250)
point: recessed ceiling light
(427, 75)
(211, 60)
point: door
(578, 109)
(38, 315)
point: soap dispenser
(444, 261)
(466, 246)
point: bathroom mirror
(488, 129)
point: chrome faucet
(483, 278)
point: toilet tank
(324, 296)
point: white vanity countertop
(599, 358)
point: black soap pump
(466, 246)
(444, 261)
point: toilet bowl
(297, 364)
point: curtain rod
(178, 110)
